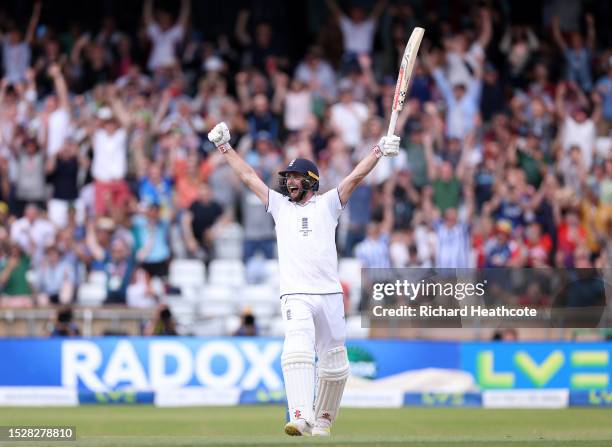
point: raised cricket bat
(404, 75)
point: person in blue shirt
(151, 233)
(463, 100)
(119, 267)
(499, 250)
(604, 92)
(577, 53)
(359, 217)
(156, 188)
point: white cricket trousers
(319, 317)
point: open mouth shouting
(294, 190)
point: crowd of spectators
(105, 167)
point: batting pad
(333, 373)
(298, 371)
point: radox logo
(540, 366)
(170, 364)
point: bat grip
(392, 123)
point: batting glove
(220, 136)
(388, 146)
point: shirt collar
(312, 199)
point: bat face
(406, 67)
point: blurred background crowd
(105, 168)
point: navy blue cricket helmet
(301, 166)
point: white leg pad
(299, 374)
(333, 372)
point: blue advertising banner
(137, 364)
(251, 366)
(574, 366)
(452, 400)
(116, 397)
(592, 398)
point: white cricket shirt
(306, 239)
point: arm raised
(61, 88)
(183, 19)
(29, 37)
(220, 137)
(147, 13)
(388, 146)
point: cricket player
(311, 295)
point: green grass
(262, 426)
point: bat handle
(392, 123)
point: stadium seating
(228, 244)
(209, 328)
(223, 295)
(216, 301)
(226, 272)
(98, 278)
(276, 328)
(272, 271)
(184, 314)
(187, 272)
(188, 275)
(91, 294)
(232, 324)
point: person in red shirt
(538, 246)
(570, 234)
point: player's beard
(296, 194)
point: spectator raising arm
(190, 239)
(334, 9)
(560, 101)
(444, 86)
(4, 83)
(241, 28)
(77, 49)
(591, 36)
(597, 114)
(147, 13)
(365, 62)
(532, 40)
(281, 81)
(117, 105)
(243, 91)
(29, 37)
(96, 250)
(556, 33)
(464, 170)
(378, 9)
(184, 14)
(162, 110)
(474, 89)
(432, 172)
(409, 110)
(486, 28)
(61, 89)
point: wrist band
(377, 151)
(223, 148)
